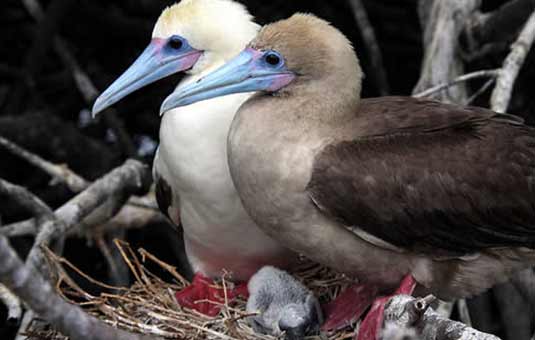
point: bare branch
(376, 57)
(502, 93)
(62, 173)
(59, 172)
(115, 186)
(12, 303)
(29, 285)
(456, 81)
(44, 216)
(29, 316)
(412, 318)
(443, 22)
(25, 199)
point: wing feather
(431, 177)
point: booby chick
(193, 183)
(384, 189)
(282, 304)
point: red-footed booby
(389, 190)
(193, 183)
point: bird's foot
(348, 307)
(207, 298)
(372, 324)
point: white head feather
(220, 28)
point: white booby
(383, 189)
(193, 183)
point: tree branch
(29, 285)
(443, 22)
(502, 93)
(410, 318)
(59, 172)
(127, 179)
(12, 303)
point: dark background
(42, 109)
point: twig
(376, 57)
(29, 285)
(116, 268)
(59, 172)
(502, 93)
(12, 303)
(481, 90)
(465, 77)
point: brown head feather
(315, 50)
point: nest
(149, 306)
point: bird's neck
(306, 107)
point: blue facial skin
(160, 59)
(250, 71)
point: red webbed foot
(207, 298)
(348, 307)
(372, 324)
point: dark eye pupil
(272, 59)
(175, 43)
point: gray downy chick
(283, 304)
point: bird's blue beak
(157, 61)
(250, 71)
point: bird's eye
(273, 58)
(175, 43)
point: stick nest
(149, 306)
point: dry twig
(461, 79)
(149, 306)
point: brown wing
(430, 177)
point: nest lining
(149, 306)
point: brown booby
(193, 183)
(387, 189)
